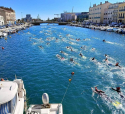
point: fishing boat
(46, 107)
(12, 96)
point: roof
(7, 9)
(8, 89)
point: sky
(47, 8)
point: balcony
(121, 17)
(96, 17)
(122, 10)
(115, 7)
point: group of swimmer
(106, 59)
(100, 92)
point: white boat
(115, 29)
(110, 29)
(45, 108)
(103, 29)
(5, 34)
(12, 96)
(119, 30)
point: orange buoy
(2, 79)
(72, 73)
(2, 47)
(69, 80)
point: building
(1, 20)
(8, 15)
(83, 16)
(28, 18)
(96, 13)
(121, 13)
(111, 13)
(67, 17)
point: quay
(108, 28)
(4, 32)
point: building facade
(67, 17)
(83, 16)
(28, 18)
(8, 15)
(111, 13)
(1, 20)
(121, 13)
(96, 13)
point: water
(43, 72)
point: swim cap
(95, 88)
(118, 88)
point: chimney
(100, 3)
(106, 1)
(94, 5)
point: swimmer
(98, 91)
(62, 58)
(104, 41)
(117, 64)
(80, 54)
(106, 55)
(93, 58)
(61, 51)
(119, 92)
(71, 59)
(106, 59)
(93, 49)
(41, 47)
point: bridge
(40, 22)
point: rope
(65, 93)
(67, 89)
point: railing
(113, 7)
(121, 17)
(96, 17)
(122, 10)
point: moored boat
(12, 96)
(45, 108)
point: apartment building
(1, 20)
(8, 14)
(121, 13)
(96, 13)
(68, 17)
(111, 13)
(28, 18)
(83, 16)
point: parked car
(122, 26)
(116, 25)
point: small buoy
(72, 73)
(69, 80)
(2, 79)
(10, 36)
(2, 47)
(5, 38)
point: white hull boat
(12, 96)
(45, 108)
(110, 29)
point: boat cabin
(8, 96)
